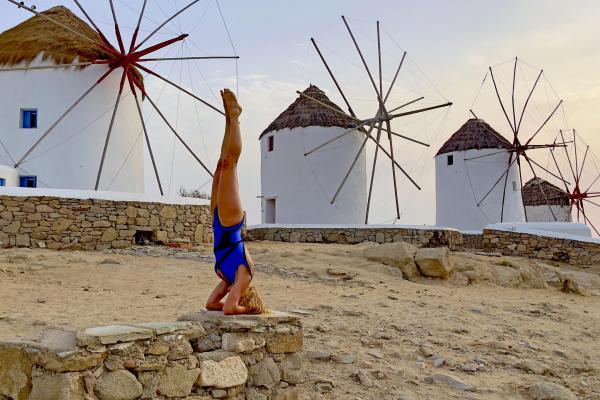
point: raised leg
(229, 203)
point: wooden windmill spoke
(337, 85)
(339, 136)
(395, 162)
(541, 189)
(177, 135)
(394, 116)
(373, 173)
(137, 30)
(527, 101)
(568, 157)
(541, 167)
(505, 183)
(389, 130)
(394, 80)
(379, 58)
(363, 61)
(140, 66)
(362, 147)
(117, 29)
(592, 184)
(592, 202)
(336, 110)
(513, 97)
(544, 124)
(110, 127)
(406, 104)
(163, 24)
(588, 220)
(583, 162)
(139, 109)
(485, 155)
(91, 21)
(576, 157)
(55, 124)
(496, 183)
(562, 178)
(187, 58)
(500, 100)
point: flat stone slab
(162, 328)
(113, 334)
(243, 321)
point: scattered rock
(318, 355)
(531, 367)
(376, 353)
(397, 254)
(450, 381)
(434, 262)
(343, 358)
(438, 361)
(109, 261)
(324, 386)
(470, 367)
(550, 391)
(363, 378)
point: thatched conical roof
(305, 112)
(475, 134)
(26, 41)
(539, 192)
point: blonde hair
(252, 300)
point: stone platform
(205, 355)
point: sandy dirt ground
(369, 334)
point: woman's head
(252, 300)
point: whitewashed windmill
(465, 167)
(61, 76)
(294, 186)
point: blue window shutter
(28, 181)
(2, 182)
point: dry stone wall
(203, 356)
(423, 237)
(94, 224)
(546, 248)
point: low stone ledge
(417, 235)
(204, 355)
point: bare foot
(232, 108)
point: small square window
(451, 159)
(2, 182)
(270, 143)
(29, 118)
(28, 181)
(514, 183)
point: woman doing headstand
(233, 262)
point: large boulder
(399, 255)
(15, 373)
(550, 391)
(55, 386)
(229, 372)
(434, 262)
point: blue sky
(451, 43)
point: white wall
(9, 174)
(543, 214)
(304, 186)
(460, 187)
(70, 156)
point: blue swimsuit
(229, 249)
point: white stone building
(467, 167)
(298, 189)
(32, 101)
(545, 202)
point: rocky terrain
(477, 327)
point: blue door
(28, 181)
